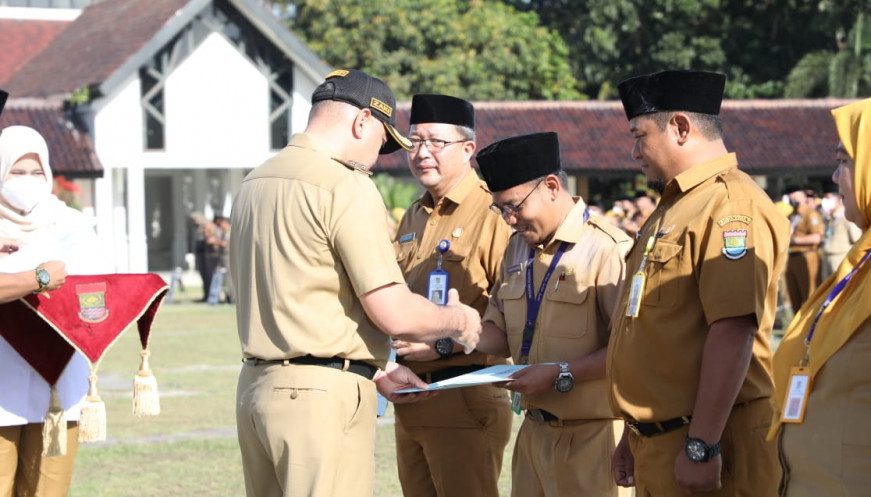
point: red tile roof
(101, 39)
(71, 150)
(21, 40)
(769, 136)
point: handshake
(468, 329)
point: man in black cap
(317, 287)
(689, 358)
(806, 236)
(551, 308)
(450, 445)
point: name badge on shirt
(437, 287)
(408, 237)
(797, 393)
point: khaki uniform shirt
(309, 237)
(719, 250)
(575, 311)
(806, 221)
(478, 238)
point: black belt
(444, 374)
(540, 415)
(361, 368)
(658, 428)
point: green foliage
(844, 72)
(482, 50)
(396, 192)
(756, 43)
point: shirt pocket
(512, 293)
(663, 274)
(569, 312)
(455, 261)
(403, 250)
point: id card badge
(636, 290)
(437, 286)
(797, 394)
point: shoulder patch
(739, 218)
(734, 244)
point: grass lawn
(191, 448)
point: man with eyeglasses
(450, 445)
(318, 288)
(551, 309)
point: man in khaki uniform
(840, 234)
(452, 444)
(316, 278)
(568, 265)
(689, 357)
(803, 267)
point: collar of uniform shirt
(457, 194)
(572, 226)
(304, 140)
(696, 175)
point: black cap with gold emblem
(516, 160)
(361, 90)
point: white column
(137, 240)
(103, 210)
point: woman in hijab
(821, 372)
(37, 227)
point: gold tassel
(146, 399)
(92, 425)
(54, 428)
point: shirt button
(433, 222)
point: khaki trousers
(451, 445)
(573, 460)
(802, 271)
(306, 431)
(750, 465)
(23, 470)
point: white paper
(493, 374)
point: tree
(756, 43)
(843, 72)
(480, 50)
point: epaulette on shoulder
(740, 185)
(613, 232)
(354, 166)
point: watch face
(43, 277)
(444, 346)
(564, 384)
(696, 450)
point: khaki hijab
(852, 307)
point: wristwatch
(565, 381)
(43, 278)
(698, 451)
(444, 347)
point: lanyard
(533, 301)
(839, 287)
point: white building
(174, 100)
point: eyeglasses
(513, 210)
(432, 144)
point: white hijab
(15, 143)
